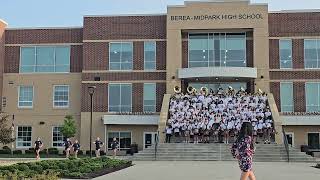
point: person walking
(76, 148)
(67, 145)
(37, 147)
(243, 150)
(114, 147)
(98, 144)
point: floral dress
(243, 150)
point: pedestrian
(243, 150)
(67, 147)
(98, 144)
(76, 148)
(37, 147)
(114, 147)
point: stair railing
(286, 144)
(156, 146)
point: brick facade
(294, 24)
(124, 27)
(274, 59)
(161, 90)
(124, 76)
(138, 55)
(299, 98)
(185, 54)
(298, 53)
(137, 97)
(291, 75)
(275, 90)
(161, 55)
(96, 56)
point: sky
(60, 13)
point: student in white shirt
(168, 133)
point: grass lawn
(83, 168)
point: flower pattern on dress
(243, 150)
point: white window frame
(25, 107)
(120, 42)
(144, 137)
(280, 54)
(35, 59)
(304, 53)
(155, 102)
(58, 147)
(281, 105)
(305, 87)
(155, 56)
(120, 95)
(107, 135)
(17, 142)
(53, 94)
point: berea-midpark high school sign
(216, 17)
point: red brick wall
(286, 75)
(298, 53)
(138, 55)
(95, 56)
(299, 97)
(137, 97)
(249, 53)
(161, 55)
(274, 59)
(185, 54)
(12, 59)
(275, 90)
(125, 76)
(161, 90)
(76, 61)
(294, 24)
(37, 36)
(124, 27)
(100, 98)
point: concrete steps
(218, 152)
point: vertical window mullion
(120, 56)
(54, 59)
(35, 59)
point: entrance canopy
(131, 119)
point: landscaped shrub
(53, 151)
(93, 153)
(44, 151)
(6, 147)
(5, 151)
(71, 168)
(28, 151)
(17, 152)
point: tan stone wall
(259, 26)
(301, 133)
(43, 110)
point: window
(314, 140)
(120, 97)
(124, 139)
(286, 97)
(150, 55)
(57, 137)
(25, 97)
(149, 97)
(24, 136)
(45, 59)
(217, 49)
(61, 96)
(120, 56)
(312, 97)
(285, 47)
(311, 53)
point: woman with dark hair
(243, 150)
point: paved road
(212, 170)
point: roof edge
(123, 15)
(38, 28)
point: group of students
(198, 116)
(68, 145)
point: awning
(131, 119)
(300, 120)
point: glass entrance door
(314, 140)
(149, 139)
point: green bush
(53, 151)
(5, 151)
(6, 147)
(17, 152)
(52, 169)
(28, 151)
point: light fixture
(226, 50)
(115, 52)
(217, 78)
(203, 50)
(244, 62)
(237, 79)
(224, 62)
(204, 57)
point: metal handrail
(156, 146)
(286, 144)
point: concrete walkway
(212, 170)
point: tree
(5, 130)
(69, 128)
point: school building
(136, 61)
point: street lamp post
(91, 92)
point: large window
(24, 135)
(120, 97)
(150, 55)
(286, 97)
(311, 53)
(314, 140)
(45, 59)
(25, 97)
(312, 97)
(121, 55)
(124, 139)
(61, 96)
(285, 46)
(149, 97)
(217, 49)
(57, 137)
